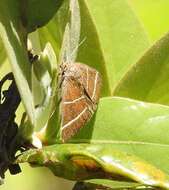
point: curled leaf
(85, 161)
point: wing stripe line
(95, 85)
(75, 119)
(74, 101)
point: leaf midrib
(79, 141)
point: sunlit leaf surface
(132, 126)
(148, 79)
(85, 161)
(14, 43)
(109, 44)
(127, 139)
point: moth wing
(89, 78)
(76, 108)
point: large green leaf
(114, 37)
(147, 11)
(136, 127)
(85, 161)
(36, 13)
(109, 44)
(14, 39)
(122, 119)
(148, 79)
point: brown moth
(79, 91)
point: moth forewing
(80, 90)
(91, 80)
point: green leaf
(109, 44)
(2, 53)
(36, 13)
(53, 32)
(46, 74)
(69, 15)
(75, 26)
(148, 79)
(44, 90)
(122, 119)
(136, 127)
(114, 38)
(14, 40)
(147, 11)
(111, 184)
(85, 161)
(11, 28)
(70, 40)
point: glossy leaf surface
(85, 161)
(148, 79)
(124, 119)
(121, 128)
(147, 12)
(112, 36)
(132, 126)
(104, 38)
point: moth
(79, 84)
(80, 87)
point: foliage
(125, 140)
